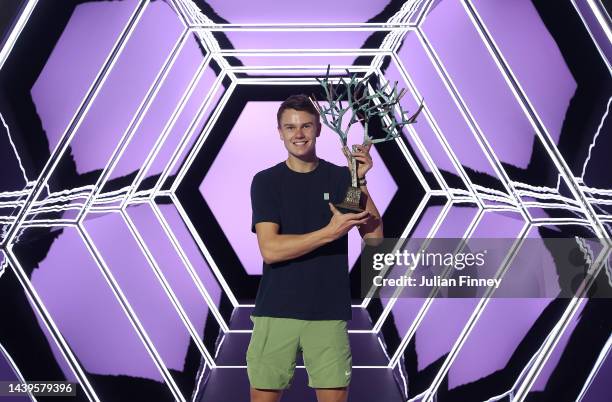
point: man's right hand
(340, 223)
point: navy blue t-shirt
(316, 285)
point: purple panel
(190, 248)
(480, 83)
(422, 127)
(442, 107)
(142, 289)
(180, 128)
(136, 68)
(87, 313)
(256, 129)
(170, 264)
(533, 56)
(502, 326)
(600, 387)
(168, 97)
(77, 57)
(296, 12)
(555, 356)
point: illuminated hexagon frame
(410, 17)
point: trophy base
(354, 201)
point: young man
(304, 301)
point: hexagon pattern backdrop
(130, 133)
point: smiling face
(299, 131)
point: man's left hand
(365, 160)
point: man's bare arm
(277, 247)
(373, 228)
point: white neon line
(562, 325)
(436, 129)
(593, 190)
(407, 230)
(281, 52)
(430, 396)
(414, 326)
(190, 269)
(383, 348)
(533, 204)
(46, 318)
(79, 115)
(470, 120)
(168, 127)
(14, 367)
(16, 31)
(387, 310)
(400, 368)
(8, 132)
(426, 10)
(559, 221)
(603, 21)
(302, 367)
(586, 26)
(166, 286)
(209, 260)
(130, 314)
(200, 141)
(189, 133)
(603, 118)
(605, 351)
(544, 189)
(49, 223)
(219, 345)
(532, 115)
(137, 118)
(306, 27)
(199, 381)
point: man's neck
(302, 166)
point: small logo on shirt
(347, 373)
(326, 196)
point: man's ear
(280, 134)
(318, 128)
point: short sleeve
(265, 202)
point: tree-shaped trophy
(363, 101)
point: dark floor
(367, 384)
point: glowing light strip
(436, 129)
(137, 118)
(392, 300)
(603, 118)
(166, 286)
(16, 31)
(46, 318)
(600, 360)
(77, 118)
(532, 204)
(130, 314)
(201, 373)
(205, 105)
(291, 69)
(212, 307)
(407, 230)
(14, 367)
(302, 367)
(604, 27)
(470, 120)
(533, 117)
(430, 299)
(426, 10)
(302, 52)
(219, 345)
(168, 127)
(544, 196)
(305, 27)
(559, 221)
(561, 326)
(8, 132)
(49, 223)
(430, 395)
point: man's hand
(365, 160)
(340, 223)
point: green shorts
(276, 342)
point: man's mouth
(300, 143)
